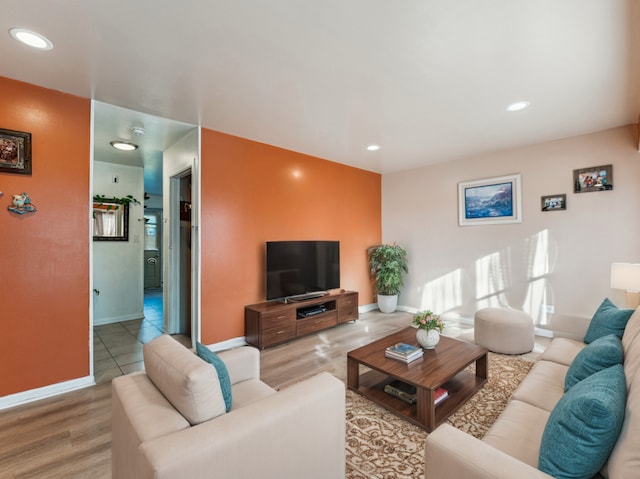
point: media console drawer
(273, 336)
(271, 323)
(278, 319)
(316, 323)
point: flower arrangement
(428, 320)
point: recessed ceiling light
(31, 39)
(519, 105)
(124, 145)
(373, 147)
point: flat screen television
(299, 269)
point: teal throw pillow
(600, 354)
(584, 426)
(221, 368)
(608, 319)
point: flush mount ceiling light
(123, 145)
(373, 147)
(31, 39)
(519, 105)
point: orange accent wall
(252, 193)
(44, 256)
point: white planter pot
(387, 304)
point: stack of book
(404, 352)
(407, 392)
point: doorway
(129, 306)
(185, 248)
(181, 294)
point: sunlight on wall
(443, 293)
(492, 279)
(539, 254)
(497, 283)
(539, 267)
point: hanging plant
(113, 202)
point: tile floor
(117, 347)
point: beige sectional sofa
(170, 421)
(511, 448)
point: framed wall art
(490, 201)
(15, 152)
(553, 202)
(594, 178)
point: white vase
(428, 338)
(387, 304)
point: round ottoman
(506, 331)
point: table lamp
(627, 276)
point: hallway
(117, 347)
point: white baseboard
(365, 308)
(373, 307)
(117, 319)
(45, 392)
(228, 344)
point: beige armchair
(162, 425)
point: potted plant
(387, 264)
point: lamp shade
(625, 276)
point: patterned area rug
(380, 445)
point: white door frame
(172, 282)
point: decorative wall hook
(22, 204)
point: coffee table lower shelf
(460, 388)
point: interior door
(152, 248)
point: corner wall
(559, 258)
(252, 193)
(44, 256)
(118, 268)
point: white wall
(118, 270)
(559, 258)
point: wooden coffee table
(440, 367)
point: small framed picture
(554, 202)
(594, 178)
(15, 152)
(489, 201)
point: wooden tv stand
(271, 323)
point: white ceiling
(428, 80)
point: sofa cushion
(602, 353)
(608, 319)
(624, 460)
(518, 430)
(221, 369)
(250, 391)
(584, 426)
(631, 331)
(631, 347)
(148, 413)
(544, 385)
(190, 384)
(562, 351)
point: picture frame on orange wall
(15, 152)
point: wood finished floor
(69, 436)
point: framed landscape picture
(553, 202)
(15, 152)
(594, 178)
(490, 201)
